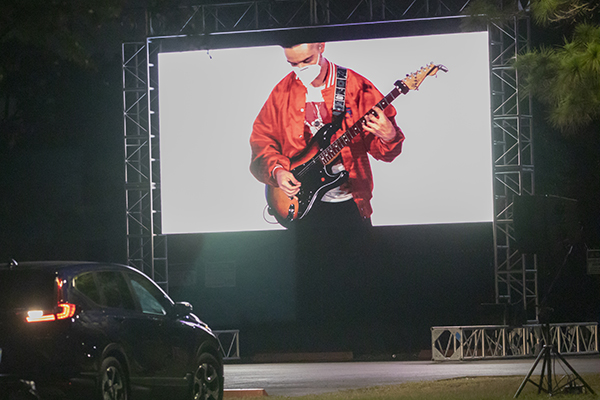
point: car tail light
(65, 310)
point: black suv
(101, 331)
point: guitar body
(316, 179)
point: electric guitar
(312, 166)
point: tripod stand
(551, 358)
(548, 382)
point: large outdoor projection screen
(208, 101)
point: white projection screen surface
(208, 101)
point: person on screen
(297, 107)
(334, 280)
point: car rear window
(115, 291)
(86, 285)
(26, 289)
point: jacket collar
(329, 78)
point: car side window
(115, 291)
(148, 295)
(86, 285)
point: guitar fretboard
(331, 152)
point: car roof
(62, 266)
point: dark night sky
(63, 182)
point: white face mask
(308, 73)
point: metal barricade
(229, 340)
(502, 341)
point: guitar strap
(339, 100)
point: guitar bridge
(291, 211)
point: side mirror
(183, 308)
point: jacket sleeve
(367, 97)
(266, 144)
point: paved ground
(297, 379)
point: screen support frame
(516, 279)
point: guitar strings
(350, 133)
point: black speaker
(544, 224)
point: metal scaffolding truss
(277, 14)
(516, 274)
(146, 248)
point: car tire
(208, 379)
(113, 381)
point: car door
(179, 338)
(140, 334)
(93, 329)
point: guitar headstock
(414, 80)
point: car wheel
(113, 382)
(208, 379)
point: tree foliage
(546, 12)
(566, 77)
(42, 43)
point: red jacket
(278, 132)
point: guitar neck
(333, 150)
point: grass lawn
(491, 388)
